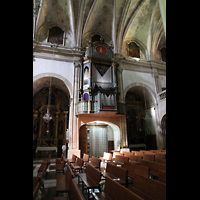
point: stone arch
(150, 93)
(38, 79)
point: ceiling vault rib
(131, 19)
(80, 22)
(94, 2)
(72, 19)
(121, 24)
(149, 39)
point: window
(55, 35)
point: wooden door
(83, 140)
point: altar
(46, 149)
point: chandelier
(47, 117)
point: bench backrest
(159, 160)
(127, 154)
(162, 176)
(121, 158)
(150, 187)
(68, 176)
(136, 158)
(117, 153)
(154, 166)
(115, 191)
(137, 169)
(149, 157)
(86, 157)
(79, 162)
(74, 157)
(93, 173)
(96, 161)
(160, 155)
(117, 171)
(74, 191)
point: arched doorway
(97, 137)
(54, 133)
(140, 118)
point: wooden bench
(77, 166)
(115, 191)
(148, 189)
(72, 160)
(154, 167)
(119, 160)
(106, 157)
(95, 162)
(74, 193)
(162, 176)
(60, 160)
(36, 187)
(116, 173)
(117, 153)
(134, 168)
(60, 167)
(136, 159)
(149, 157)
(127, 154)
(90, 179)
(63, 181)
(85, 159)
(159, 160)
(161, 155)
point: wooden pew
(63, 181)
(116, 153)
(85, 159)
(119, 160)
(116, 173)
(134, 168)
(36, 187)
(115, 191)
(90, 179)
(159, 160)
(136, 159)
(77, 166)
(72, 160)
(161, 155)
(73, 194)
(60, 167)
(95, 162)
(127, 154)
(148, 189)
(149, 157)
(162, 176)
(154, 167)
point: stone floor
(49, 190)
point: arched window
(133, 50)
(55, 35)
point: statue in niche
(60, 127)
(35, 127)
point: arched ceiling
(118, 21)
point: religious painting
(55, 35)
(133, 50)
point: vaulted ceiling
(118, 21)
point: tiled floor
(49, 191)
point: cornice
(61, 53)
(141, 65)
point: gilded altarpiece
(56, 136)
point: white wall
(64, 69)
(130, 77)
